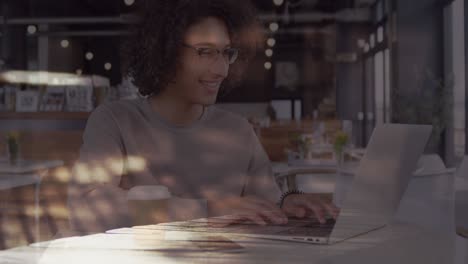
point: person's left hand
(305, 205)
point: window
(455, 48)
(379, 84)
(388, 90)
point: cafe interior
(326, 73)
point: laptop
(371, 202)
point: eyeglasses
(211, 54)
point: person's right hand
(241, 209)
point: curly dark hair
(151, 55)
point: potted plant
(430, 104)
(341, 139)
(301, 144)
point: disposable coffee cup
(149, 204)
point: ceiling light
(65, 43)
(274, 27)
(89, 56)
(271, 42)
(278, 2)
(32, 29)
(108, 66)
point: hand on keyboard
(307, 205)
(250, 208)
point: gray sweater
(127, 144)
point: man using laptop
(174, 136)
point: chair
(428, 199)
(430, 162)
(461, 212)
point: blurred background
(328, 69)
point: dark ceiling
(78, 7)
(328, 6)
(41, 8)
(113, 8)
(33, 10)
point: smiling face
(198, 78)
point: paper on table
(162, 234)
(200, 226)
(171, 241)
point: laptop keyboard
(294, 227)
(309, 228)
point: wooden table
(397, 243)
